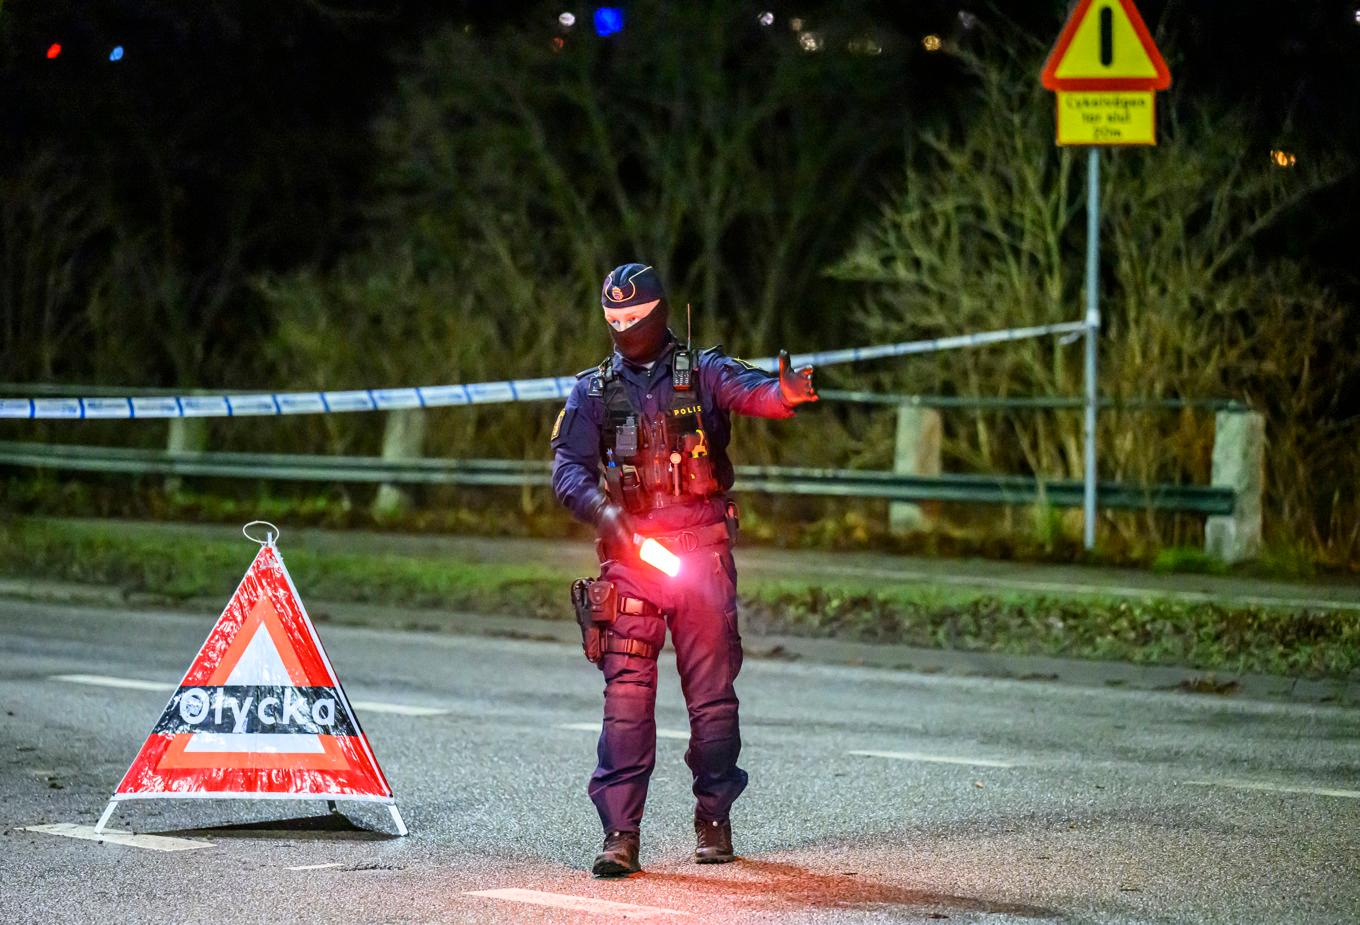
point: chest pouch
(655, 463)
(623, 484)
(696, 466)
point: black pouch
(604, 602)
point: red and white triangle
(260, 713)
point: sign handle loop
(269, 537)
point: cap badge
(616, 294)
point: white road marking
(314, 866)
(1276, 788)
(682, 734)
(400, 709)
(937, 759)
(130, 839)
(576, 903)
(100, 680)
(136, 684)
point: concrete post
(187, 435)
(1239, 464)
(403, 438)
(917, 452)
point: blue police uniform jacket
(725, 385)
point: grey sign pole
(1092, 336)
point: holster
(597, 603)
(594, 603)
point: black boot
(714, 842)
(619, 857)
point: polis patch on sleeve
(557, 425)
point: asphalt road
(989, 800)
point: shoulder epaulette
(599, 376)
(715, 351)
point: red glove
(795, 385)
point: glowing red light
(53, 50)
(659, 557)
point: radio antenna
(689, 326)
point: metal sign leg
(104, 819)
(1092, 336)
(396, 818)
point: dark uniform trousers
(700, 607)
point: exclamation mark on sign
(1106, 36)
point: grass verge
(1310, 643)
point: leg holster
(597, 603)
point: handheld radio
(682, 367)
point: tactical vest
(652, 462)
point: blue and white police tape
(443, 396)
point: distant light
(1282, 158)
(53, 50)
(1357, 14)
(558, 42)
(116, 54)
(931, 42)
(567, 20)
(796, 24)
(766, 18)
(608, 20)
(967, 19)
(810, 41)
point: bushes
(987, 230)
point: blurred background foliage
(803, 188)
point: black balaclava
(637, 284)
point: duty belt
(692, 538)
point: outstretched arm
(738, 386)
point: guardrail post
(1239, 464)
(403, 438)
(917, 452)
(187, 435)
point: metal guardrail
(845, 483)
(1030, 402)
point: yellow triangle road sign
(1106, 46)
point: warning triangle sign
(260, 712)
(1106, 46)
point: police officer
(640, 450)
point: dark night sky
(278, 94)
